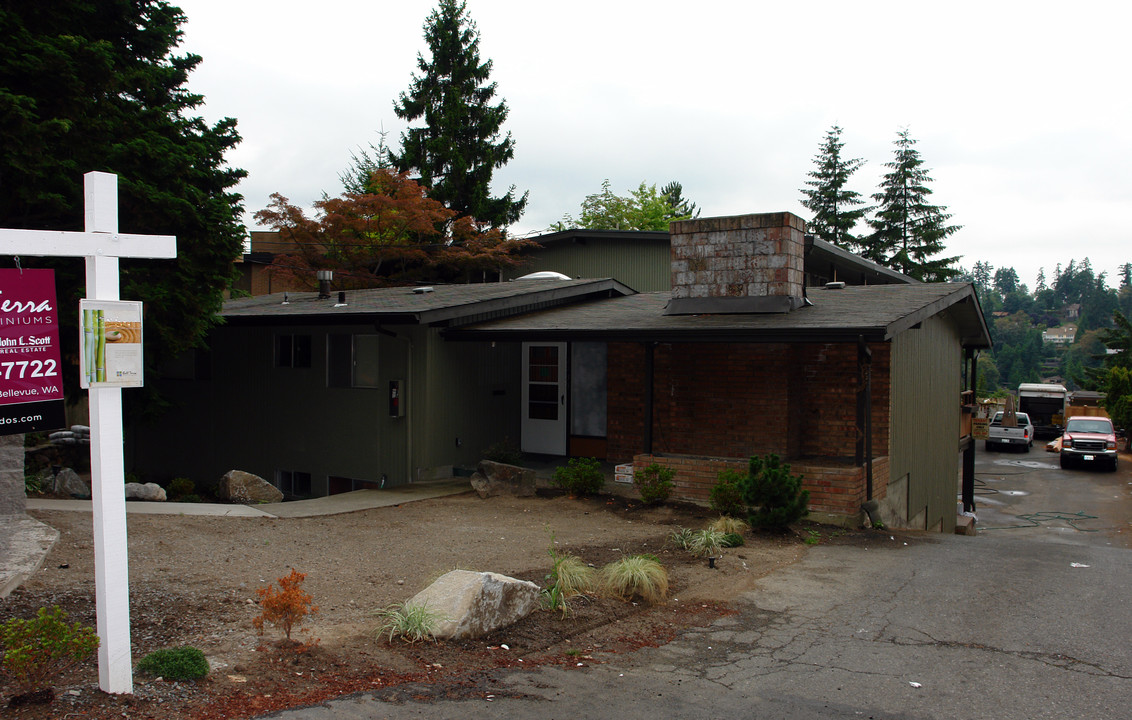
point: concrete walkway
(25, 541)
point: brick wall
(835, 489)
(737, 400)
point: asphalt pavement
(1029, 619)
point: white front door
(544, 398)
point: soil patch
(193, 582)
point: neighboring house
(1073, 311)
(1063, 335)
(858, 386)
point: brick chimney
(737, 264)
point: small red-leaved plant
(284, 608)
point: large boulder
(471, 604)
(148, 491)
(68, 482)
(493, 478)
(243, 487)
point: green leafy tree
(908, 232)
(1117, 386)
(837, 210)
(459, 147)
(645, 208)
(95, 86)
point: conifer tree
(459, 147)
(908, 232)
(96, 86)
(836, 209)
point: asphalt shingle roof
(443, 302)
(877, 311)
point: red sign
(31, 382)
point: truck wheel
(1112, 466)
(1063, 461)
(989, 446)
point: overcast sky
(1021, 110)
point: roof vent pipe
(324, 278)
(341, 299)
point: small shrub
(727, 524)
(32, 484)
(287, 607)
(681, 538)
(37, 650)
(654, 483)
(580, 476)
(504, 452)
(732, 540)
(411, 623)
(726, 496)
(706, 542)
(635, 576)
(777, 495)
(182, 663)
(180, 488)
(190, 498)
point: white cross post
(102, 245)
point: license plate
(1088, 458)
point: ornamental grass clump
(729, 525)
(284, 608)
(635, 576)
(410, 622)
(569, 577)
(707, 542)
(182, 663)
(681, 538)
(40, 649)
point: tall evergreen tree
(94, 86)
(908, 232)
(459, 147)
(837, 210)
(682, 208)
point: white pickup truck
(1021, 435)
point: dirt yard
(193, 582)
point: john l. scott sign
(31, 384)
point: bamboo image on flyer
(112, 344)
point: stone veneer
(745, 256)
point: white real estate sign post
(102, 245)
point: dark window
(293, 351)
(352, 361)
(293, 483)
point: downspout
(650, 348)
(865, 363)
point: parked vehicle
(1088, 440)
(1021, 434)
(1045, 404)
